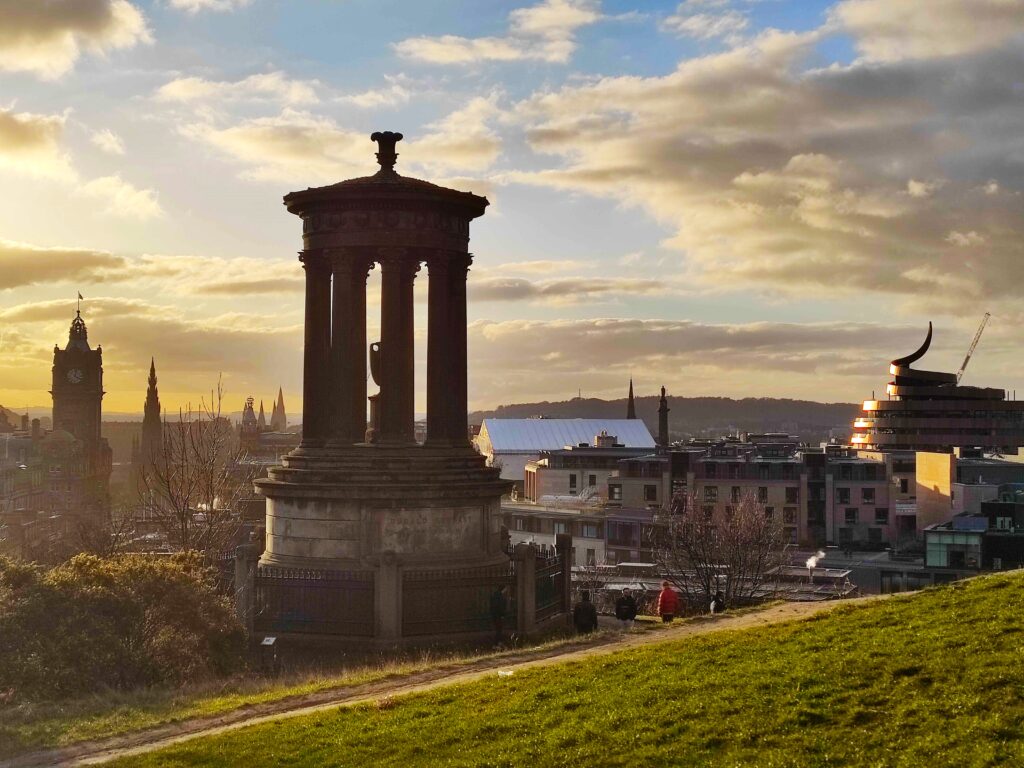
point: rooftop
(535, 435)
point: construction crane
(977, 337)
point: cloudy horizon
(746, 198)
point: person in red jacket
(668, 603)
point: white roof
(551, 434)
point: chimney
(37, 429)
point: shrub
(121, 622)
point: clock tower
(77, 392)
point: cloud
(47, 38)
(121, 198)
(542, 32)
(574, 290)
(196, 6)
(31, 144)
(894, 30)
(300, 147)
(727, 24)
(803, 359)
(771, 176)
(22, 264)
(108, 141)
(539, 266)
(394, 94)
(270, 86)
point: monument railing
(314, 601)
(454, 601)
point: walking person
(584, 615)
(499, 607)
(625, 609)
(717, 603)
(668, 603)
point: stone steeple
(152, 427)
(278, 419)
(663, 410)
(261, 422)
(631, 404)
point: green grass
(27, 727)
(930, 680)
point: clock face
(75, 376)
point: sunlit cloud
(47, 38)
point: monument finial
(386, 154)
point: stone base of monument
(381, 543)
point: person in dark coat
(625, 609)
(717, 603)
(499, 607)
(584, 615)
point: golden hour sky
(727, 197)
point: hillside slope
(932, 679)
(692, 416)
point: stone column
(397, 386)
(525, 557)
(348, 348)
(458, 428)
(246, 558)
(439, 351)
(317, 353)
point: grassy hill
(933, 679)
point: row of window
(851, 515)
(736, 494)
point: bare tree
(190, 490)
(735, 553)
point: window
(769, 512)
(789, 515)
(881, 515)
(735, 494)
(708, 510)
(712, 469)
(592, 480)
(711, 493)
(614, 492)
(520, 524)
(762, 494)
(790, 533)
(728, 510)
(874, 536)
(650, 493)
(904, 485)
(792, 495)
(763, 471)
(842, 495)
(851, 516)
(561, 527)
(572, 483)
(867, 495)
(588, 531)
(591, 557)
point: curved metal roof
(551, 434)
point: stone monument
(369, 500)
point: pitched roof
(551, 434)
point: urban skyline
(744, 234)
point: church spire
(278, 419)
(631, 404)
(261, 422)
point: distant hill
(700, 416)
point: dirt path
(101, 751)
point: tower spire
(663, 410)
(631, 404)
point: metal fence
(314, 601)
(442, 602)
(548, 588)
